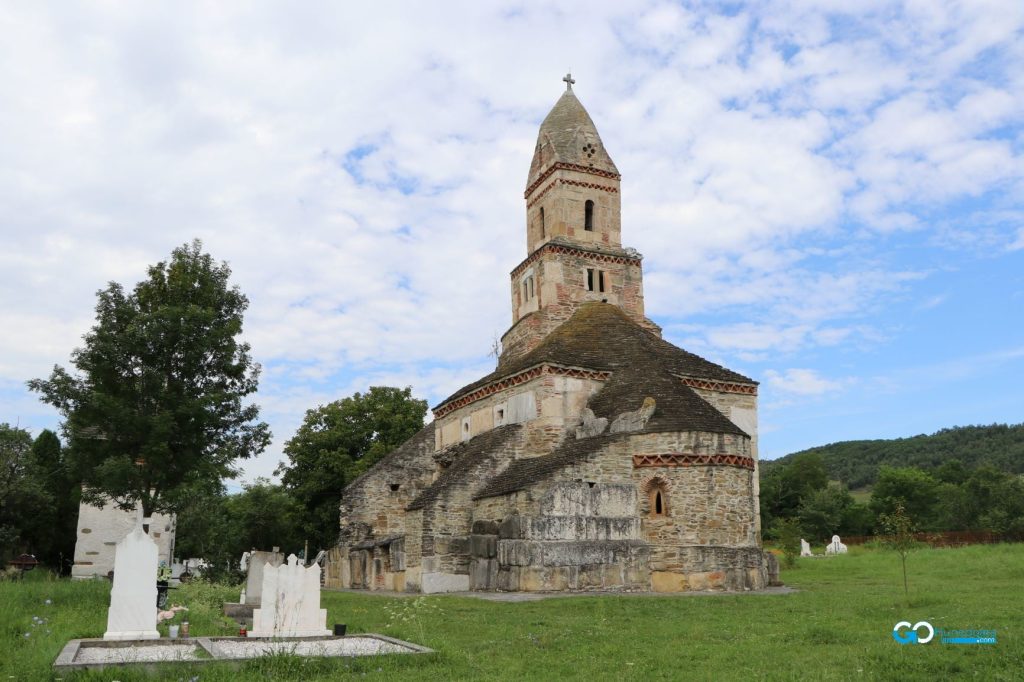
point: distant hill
(856, 462)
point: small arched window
(657, 498)
(588, 216)
(542, 227)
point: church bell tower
(573, 232)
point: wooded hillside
(856, 463)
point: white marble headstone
(835, 547)
(291, 602)
(805, 548)
(132, 613)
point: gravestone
(258, 562)
(132, 613)
(835, 547)
(771, 564)
(805, 548)
(291, 602)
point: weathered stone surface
(483, 574)
(590, 425)
(635, 420)
(433, 583)
(99, 531)
(771, 564)
(483, 546)
(258, 563)
(805, 548)
(482, 527)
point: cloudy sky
(829, 200)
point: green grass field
(837, 626)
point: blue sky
(829, 196)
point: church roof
(568, 135)
(523, 473)
(599, 336)
(464, 456)
(677, 406)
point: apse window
(658, 499)
(588, 216)
(395, 486)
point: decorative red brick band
(573, 167)
(574, 183)
(515, 380)
(680, 460)
(596, 256)
(723, 386)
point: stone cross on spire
(568, 81)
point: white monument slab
(132, 613)
(835, 547)
(805, 548)
(258, 561)
(291, 602)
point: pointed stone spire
(568, 135)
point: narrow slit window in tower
(542, 227)
(600, 280)
(529, 281)
(658, 509)
(590, 279)
(588, 216)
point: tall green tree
(264, 515)
(822, 511)
(56, 547)
(24, 503)
(337, 442)
(157, 402)
(784, 488)
(914, 489)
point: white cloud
(803, 382)
(361, 168)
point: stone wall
(592, 525)
(99, 531)
(445, 551)
(563, 195)
(560, 274)
(549, 403)
(373, 509)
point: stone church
(597, 456)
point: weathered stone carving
(590, 425)
(635, 420)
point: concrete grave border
(206, 651)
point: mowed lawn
(837, 626)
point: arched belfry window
(542, 226)
(588, 216)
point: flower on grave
(170, 613)
(48, 602)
